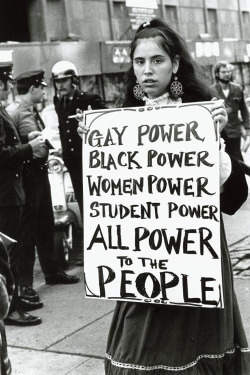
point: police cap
(6, 70)
(34, 77)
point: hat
(6, 64)
(6, 70)
(32, 78)
(63, 69)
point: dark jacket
(6, 279)
(235, 189)
(12, 156)
(70, 139)
(235, 102)
(25, 120)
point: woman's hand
(219, 113)
(82, 129)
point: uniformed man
(67, 100)
(12, 156)
(37, 218)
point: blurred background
(95, 35)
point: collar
(161, 100)
(220, 89)
(73, 94)
(70, 98)
(22, 102)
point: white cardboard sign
(151, 205)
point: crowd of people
(26, 213)
(143, 338)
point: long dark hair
(195, 86)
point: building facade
(95, 34)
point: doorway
(14, 25)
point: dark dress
(147, 339)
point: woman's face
(153, 67)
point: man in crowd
(37, 218)
(67, 100)
(12, 197)
(234, 98)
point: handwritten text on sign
(151, 205)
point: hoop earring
(176, 88)
(138, 91)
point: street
(72, 338)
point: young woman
(147, 339)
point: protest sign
(151, 205)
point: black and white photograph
(124, 187)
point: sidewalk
(72, 338)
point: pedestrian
(67, 100)
(12, 197)
(37, 225)
(233, 95)
(157, 339)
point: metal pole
(162, 10)
(205, 16)
(111, 17)
(44, 10)
(240, 21)
(66, 8)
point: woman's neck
(161, 100)
(166, 94)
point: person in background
(12, 197)
(67, 100)
(37, 224)
(157, 339)
(233, 95)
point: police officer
(12, 156)
(67, 100)
(37, 218)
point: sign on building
(207, 49)
(141, 11)
(120, 54)
(151, 206)
(6, 56)
(152, 4)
